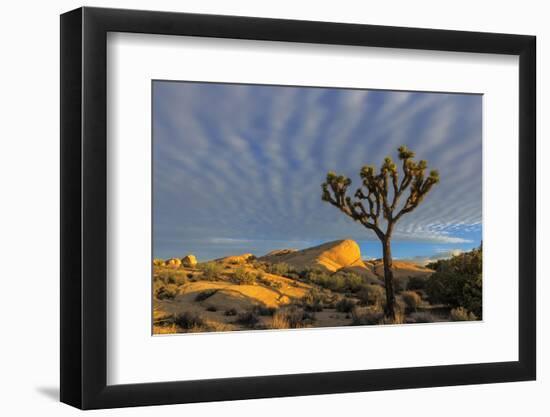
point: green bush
(339, 282)
(351, 281)
(372, 295)
(458, 282)
(210, 270)
(280, 268)
(416, 283)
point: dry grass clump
(369, 317)
(291, 318)
(411, 299)
(316, 300)
(372, 295)
(165, 329)
(461, 314)
(399, 318)
(169, 276)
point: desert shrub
(204, 295)
(189, 320)
(399, 284)
(314, 300)
(176, 278)
(261, 276)
(279, 321)
(243, 277)
(248, 319)
(366, 318)
(264, 311)
(231, 312)
(345, 305)
(461, 314)
(348, 281)
(372, 295)
(411, 299)
(211, 308)
(421, 317)
(165, 293)
(263, 280)
(210, 270)
(399, 318)
(280, 268)
(416, 283)
(291, 318)
(458, 281)
(343, 282)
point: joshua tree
(379, 193)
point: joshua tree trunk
(388, 278)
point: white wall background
(29, 209)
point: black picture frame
(84, 207)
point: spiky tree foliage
(379, 195)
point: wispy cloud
(238, 160)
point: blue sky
(238, 168)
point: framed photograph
(258, 208)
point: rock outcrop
(189, 261)
(174, 262)
(237, 259)
(340, 255)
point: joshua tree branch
(336, 186)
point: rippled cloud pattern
(238, 167)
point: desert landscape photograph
(284, 207)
